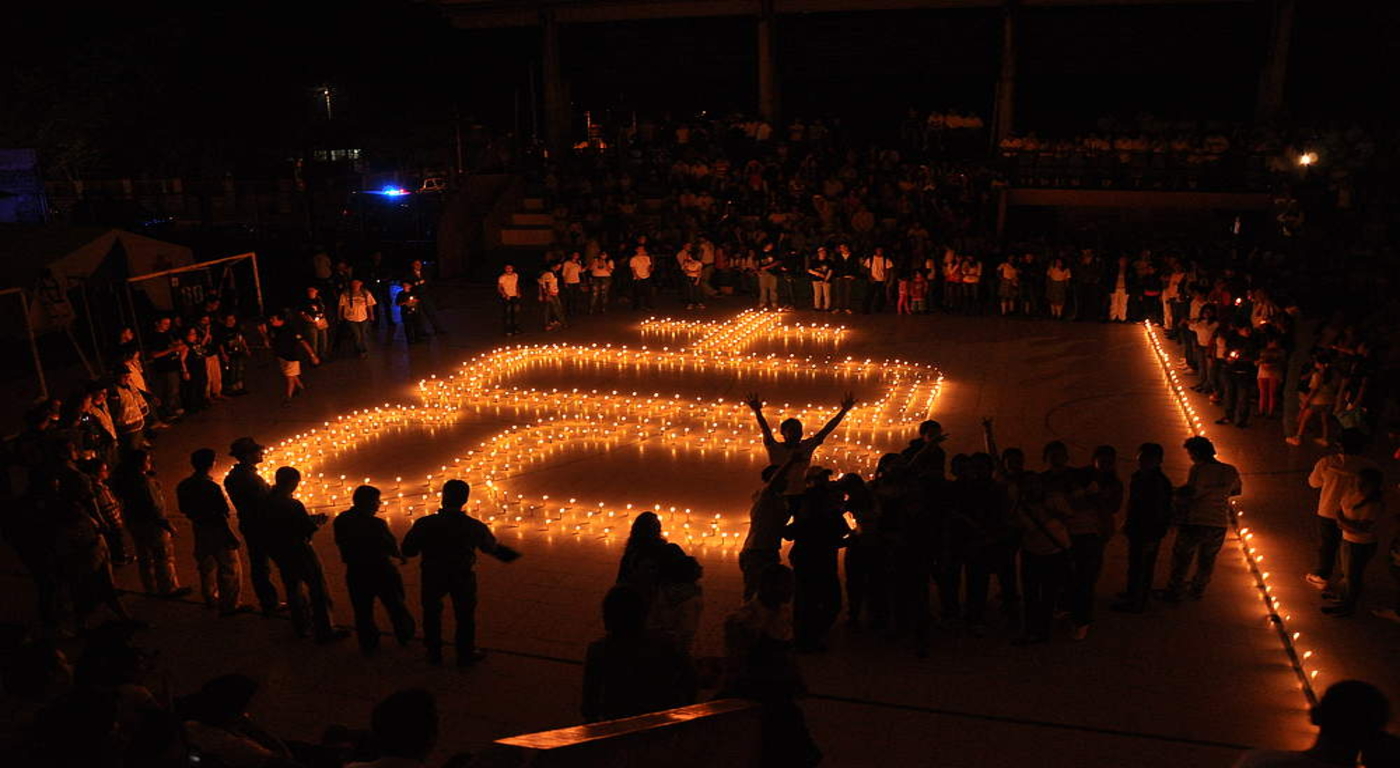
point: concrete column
(556, 103)
(1003, 118)
(1274, 76)
(767, 65)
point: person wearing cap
(288, 538)
(817, 533)
(215, 547)
(249, 493)
(366, 547)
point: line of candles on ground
(1302, 661)
(553, 421)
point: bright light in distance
(1307, 158)
(392, 192)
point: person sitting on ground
(631, 671)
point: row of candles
(1303, 661)
(557, 419)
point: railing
(1137, 170)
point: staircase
(529, 227)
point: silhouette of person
(366, 547)
(448, 542)
(289, 532)
(248, 492)
(631, 671)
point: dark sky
(230, 84)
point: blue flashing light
(392, 192)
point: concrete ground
(1187, 685)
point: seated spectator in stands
(630, 671)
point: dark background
(213, 88)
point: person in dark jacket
(631, 671)
(288, 538)
(143, 506)
(249, 493)
(1149, 516)
(448, 542)
(368, 547)
(818, 533)
(215, 547)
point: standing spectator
(844, 269)
(109, 510)
(508, 288)
(423, 290)
(640, 265)
(767, 518)
(315, 326)
(818, 533)
(692, 272)
(1336, 477)
(289, 533)
(767, 269)
(600, 271)
(448, 542)
(878, 269)
(571, 274)
(1057, 287)
(249, 493)
(356, 309)
(1045, 556)
(1149, 515)
(234, 353)
(1118, 297)
(131, 411)
(143, 505)
(410, 313)
(193, 388)
(166, 350)
(1204, 504)
(289, 346)
(366, 547)
(213, 362)
(215, 547)
(1319, 400)
(1361, 510)
(1008, 285)
(548, 283)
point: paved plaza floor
(1180, 685)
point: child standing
(918, 293)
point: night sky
(203, 88)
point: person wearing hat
(215, 547)
(817, 533)
(249, 493)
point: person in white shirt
(600, 270)
(1335, 477)
(357, 312)
(640, 264)
(1204, 504)
(508, 288)
(878, 267)
(572, 273)
(549, 299)
(1361, 510)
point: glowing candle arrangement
(1302, 661)
(557, 419)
